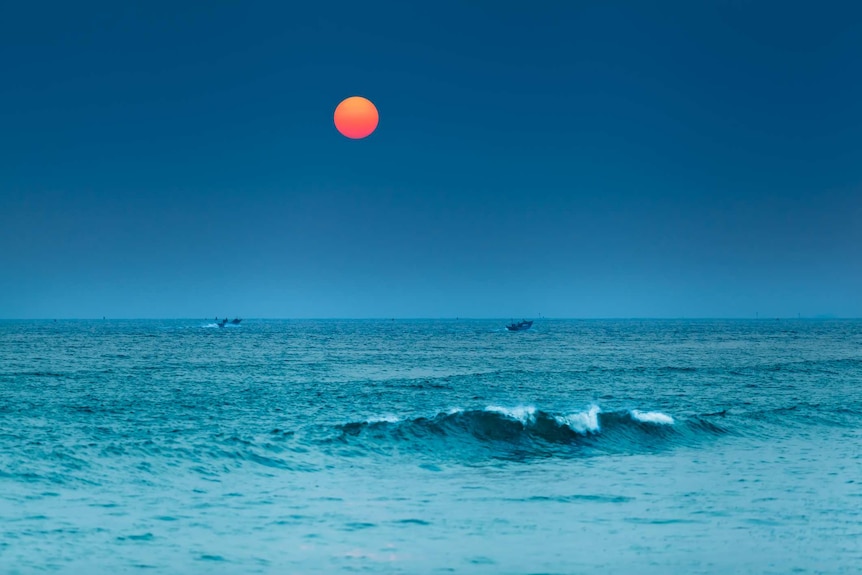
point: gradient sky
(570, 159)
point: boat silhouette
(522, 325)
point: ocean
(292, 447)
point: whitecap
(582, 422)
(524, 414)
(384, 419)
(652, 417)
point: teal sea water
(431, 447)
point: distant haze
(568, 159)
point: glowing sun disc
(356, 117)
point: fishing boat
(522, 325)
(235, 321)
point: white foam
(583, 421)
(652, 417)
(384, 419)
(522, 413)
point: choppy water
(426, 447)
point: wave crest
(525, 430)
(652, 417)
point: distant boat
(522, 325)
(235, 321)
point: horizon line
(439, 318)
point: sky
(556, 159)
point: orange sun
(356, 117)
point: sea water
(431, 447)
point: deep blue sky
(574, 159)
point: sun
(356, 117)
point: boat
(522, 325)
(235, 321)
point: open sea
(292, 447)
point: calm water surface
(431, 447)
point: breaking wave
(526, 430)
